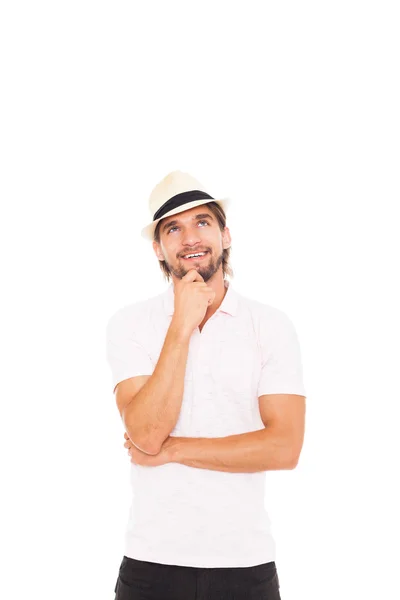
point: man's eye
(175, 226)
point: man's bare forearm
(261, 450)
(154, 411)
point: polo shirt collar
(228, 305)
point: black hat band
(179, 200)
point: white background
(292, 110)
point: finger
(193, 275)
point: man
(209, 387)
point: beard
(206, 269)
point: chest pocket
(236, 363)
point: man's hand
(148, 460)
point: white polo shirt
(183, 515)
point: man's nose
(190, 238)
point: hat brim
(148, 231)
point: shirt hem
(212, 562)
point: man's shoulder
(263, 309)
(268, 320)
(134, 311)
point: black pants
(143, 580)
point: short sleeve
(282, 371)
(125, 355)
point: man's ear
(157, 251)
(226, 238)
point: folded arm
(277, 446)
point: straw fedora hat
(175, 193)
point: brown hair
(219, 213)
